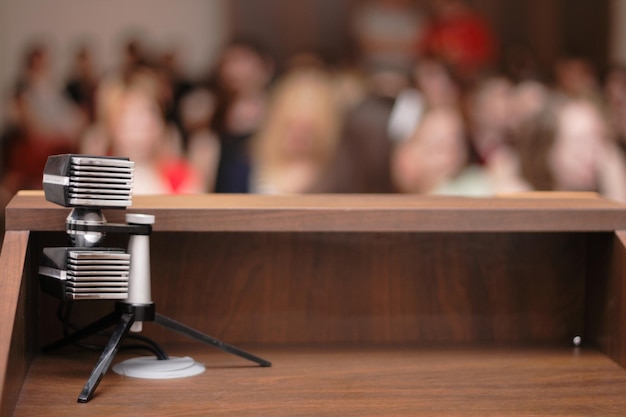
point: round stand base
(149, 367)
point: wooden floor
(343, 382)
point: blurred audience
(575, 77)
(459, 36)
(132, 124)
(615, 93)
(437, 83)
(570, 146)
(297, 141)
(361, 163)
(433, 159)
(386, 32)
(241, 83)
(41, 121)
(422, 110)
(83, 82)
(195, 114)
(493, 111)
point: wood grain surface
(345, 294)
(343, 213)
(14, 349)
(318, 288)
(343, 382)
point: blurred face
(494, 105)
(137, 127)
(575, 76)
(440, 146)
(529, 99)
(435, 83)
(615, 87)
(300, 136)
(303, 119)
(434, 155)
(578, 144)
(39, 62)
(243, 70)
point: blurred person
(241, 82)
(615, 96)
(436, 160)
(350, 86)
(42, 120)
(203, 146)
(530, 99)
(83, 81)
(436, 82)
(434, 156)
(575, 77)
(583, 156)
(294, 146)
(520, 64)
(132, 125)
(434, 86)
(459, 36)
(490, 110)
(135, 57)
(175, 86)
(569, 147)
(40, 105)
(361, 161)
(532, 134)
(136, 68)
(386, 32)
(493, 123)
(242, 79)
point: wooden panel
(344, 382)
(606, 299)
(323, 288)
(14, 350)
(322, 273)
(345, 213)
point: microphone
(86, 271)
(87, 181)
(85, 274)
(87, 184)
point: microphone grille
(89, 181)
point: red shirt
(463, 41)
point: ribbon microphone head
(88, 181)
(70, 273)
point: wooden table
(365, 304)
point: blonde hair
(304, 94)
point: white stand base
(149, 367)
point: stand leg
(125, 322)
(95, 327)
(188, 331)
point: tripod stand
(137, 308)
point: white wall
(198, 26)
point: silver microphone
(70, 273)
(87, 184)
(88, 181)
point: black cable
(64, 312)
(155, 347)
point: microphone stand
(138, 307)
